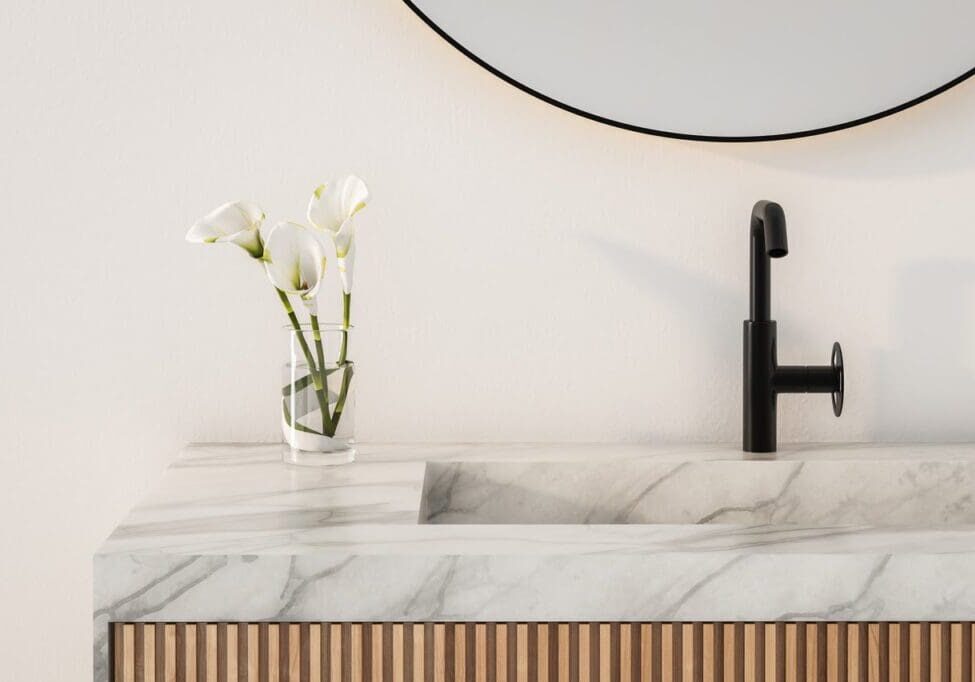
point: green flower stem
(344, 392)
(343, 363)
(316, 377)
(320, 352)
(317, 335)
(346, 307)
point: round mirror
(713, 70)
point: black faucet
(765, 379)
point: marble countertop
(857, 532)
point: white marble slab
(850, 533)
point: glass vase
(318, 396)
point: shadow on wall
(926, 379)
(713, 310)
(683, 291)
(931, 138)
(704, 312)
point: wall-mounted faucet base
(759, 428)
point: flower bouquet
(318, 395)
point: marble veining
(520, 532)
(813, 493)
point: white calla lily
(237, 222)
(295, 261)
(332, 209)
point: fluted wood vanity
(543, 652)
(533, 563)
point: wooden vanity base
(541, 652)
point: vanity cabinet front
(542, 652)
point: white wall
(523, 274)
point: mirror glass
(715, 69)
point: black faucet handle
(836, 362)
(813, 378)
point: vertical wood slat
(542, 652)
(168, 658)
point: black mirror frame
(684, 136)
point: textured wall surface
(523, 274)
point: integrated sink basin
(888, 492)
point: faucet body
(764, 378)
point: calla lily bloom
(238, 222)
(295, 261)
(331, 209)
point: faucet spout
(769, 218)
(768, 240)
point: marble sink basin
(827, 492)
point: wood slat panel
(128, 654)
(169, 652)
(542, 652)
